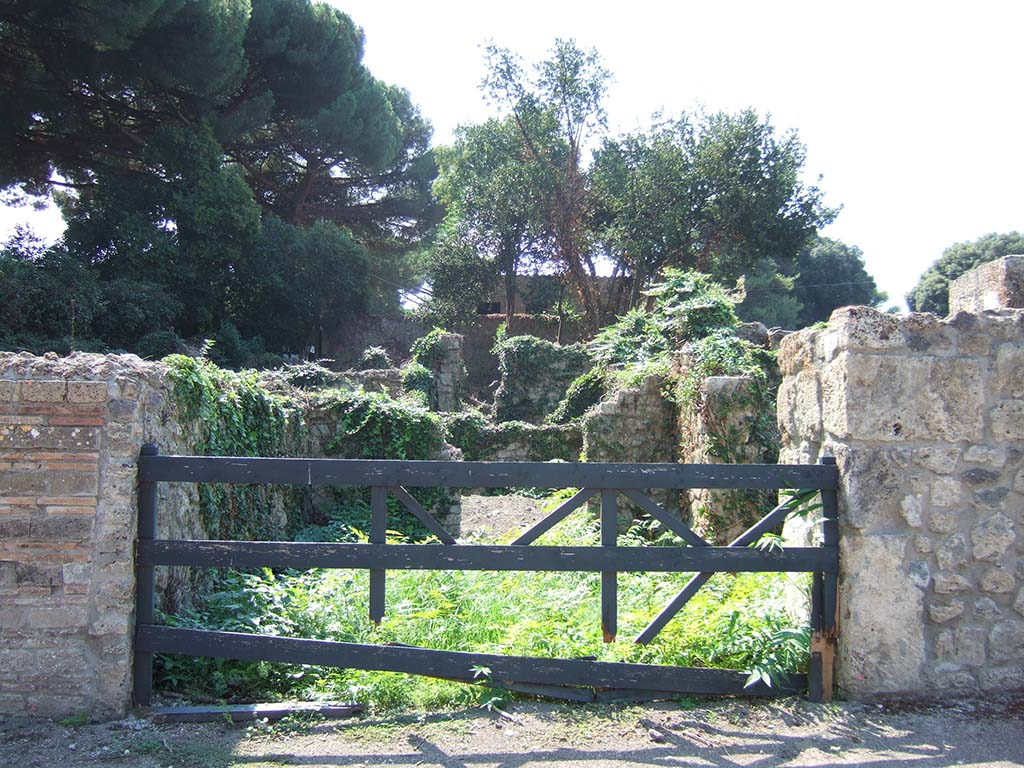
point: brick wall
(70, 432)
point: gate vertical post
(378, 535)
(825, 601)
(144, 583)
(609, 579)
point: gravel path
(791, 732)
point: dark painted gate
(605, 481)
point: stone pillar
(449, 374)
(719, 428)
(926, 420)
(70, 433)
(996, 284)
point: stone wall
(635, 424)
(926, 420)
(70, 433)
(719, 428)
(535, 375)
(395, 333)
(996, 284)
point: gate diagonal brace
(748, 537)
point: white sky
(911, 111)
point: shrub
(374, 358)
(585, 392)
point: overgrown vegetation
(585, 392)
(479, 439)
(234, 415)
(736, 621)
(526, 361)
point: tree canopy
(931, 294)
(180, 138)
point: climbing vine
(234, 415)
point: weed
(82, 718)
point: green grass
(735, 621)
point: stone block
(72, 483)
(38, 575)
(1006, 640)
(8, 391)
(952, 554)
(1006, 420)
(993, 285)
(87, 391)
(61, 527)
(1005, 678)
(981, 454)
(77, 573)
(998, 581)
(892, 398)
(25, 437)
(53, 391)
(963, 646)
(58, 617)
(941, 460)
(946, 492)
(1018, 604)
(22, 483)
(943, 612)
(992, 537)
(943, 520)
(986, 608)
(950, 584)
(882, 646)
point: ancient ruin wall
(70, 433)
(926, 420)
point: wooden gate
(606, 481)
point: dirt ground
(791, 732)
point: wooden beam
(674, 524)
(454, 664)
(477, 557)
(556, 516)
(481, 474)
(422, 515)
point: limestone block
(9, 391)
(882, 645)
(87, 391)
(992, 537)
(1006, 640)
(943, 520)
(891, 398)
(952, 555)
(52, 391)
(910, 507)
(1007, 420)
(1018, 604)
(923, 544)
(946, 492)
(950, 584)
(940, 459)
(962, 646)
(1002, 678)
(872, 485)
(993, 285)
(998, 581)
(980, 454)
(943, 612)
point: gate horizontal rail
(607, 481)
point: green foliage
(460, 279)
(525, 362)
(736, 621)
(374, 358)
(831, 275)
(586, 391)
(179, 125)
(233, 415)
(418, 378)
(309, 375)
(479, 439)
(713, 192)
(768, 297)
(428, 349)
(686, 306)
(722, 353)
(931, 294)
(371, 425)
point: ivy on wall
(234, 415)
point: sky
(911, 112)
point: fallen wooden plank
(243, 712)
(453, 664)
